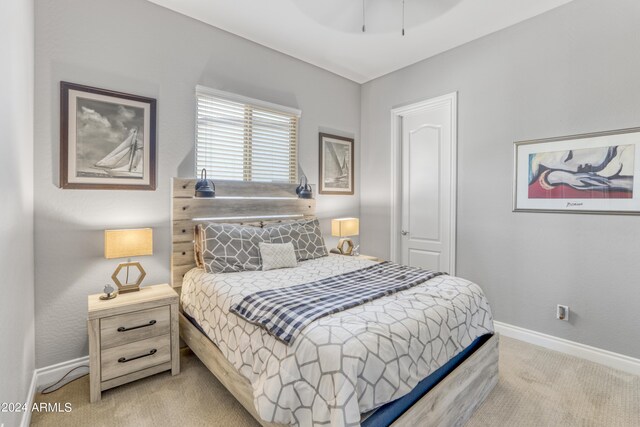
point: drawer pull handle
(125, 360)
(123, 329)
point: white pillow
(277, 255)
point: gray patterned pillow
(305, 235)
(229, 248)
(277, 255)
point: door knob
(404, 232)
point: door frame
(451, 101)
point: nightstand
(370, 258)
(132, 336)
(367, 257)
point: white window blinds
(243, 139)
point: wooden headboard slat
(178, 272)
(184, 208)
(184, 257)
(236, 202)
(185, 187)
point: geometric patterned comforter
(346, 363)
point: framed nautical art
(589, 173)
(107, 139)
(336, 165)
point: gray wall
(137, 47)
(573, 70)
(16, 215)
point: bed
(345, 369)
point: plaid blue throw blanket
(284, 312)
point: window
(244, 139)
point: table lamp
(343, 228)
(127, 244)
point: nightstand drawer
(125, 359)
(130, 327)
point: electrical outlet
(562, 312)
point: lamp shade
(344, 227)
(128, 243)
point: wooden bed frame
(450, 403)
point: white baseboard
(593, 354)
(48, 375)
(26, 415)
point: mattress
(346, 363)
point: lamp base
(109, 296)
(128, 287)
(349, 249)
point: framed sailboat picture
(107, 139)
(336, 164)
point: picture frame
(336, 165)
(107, 139)
(594, 173)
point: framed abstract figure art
(107, 139)
(589, 173)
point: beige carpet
(537, 387)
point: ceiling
(328, 33)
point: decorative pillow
(230, 248)
(277, 255)
(272, 222)
(305, 235)
(251, 224)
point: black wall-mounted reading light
(304, 189)
(205, 187)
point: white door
(427, 229)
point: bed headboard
(236, 202)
